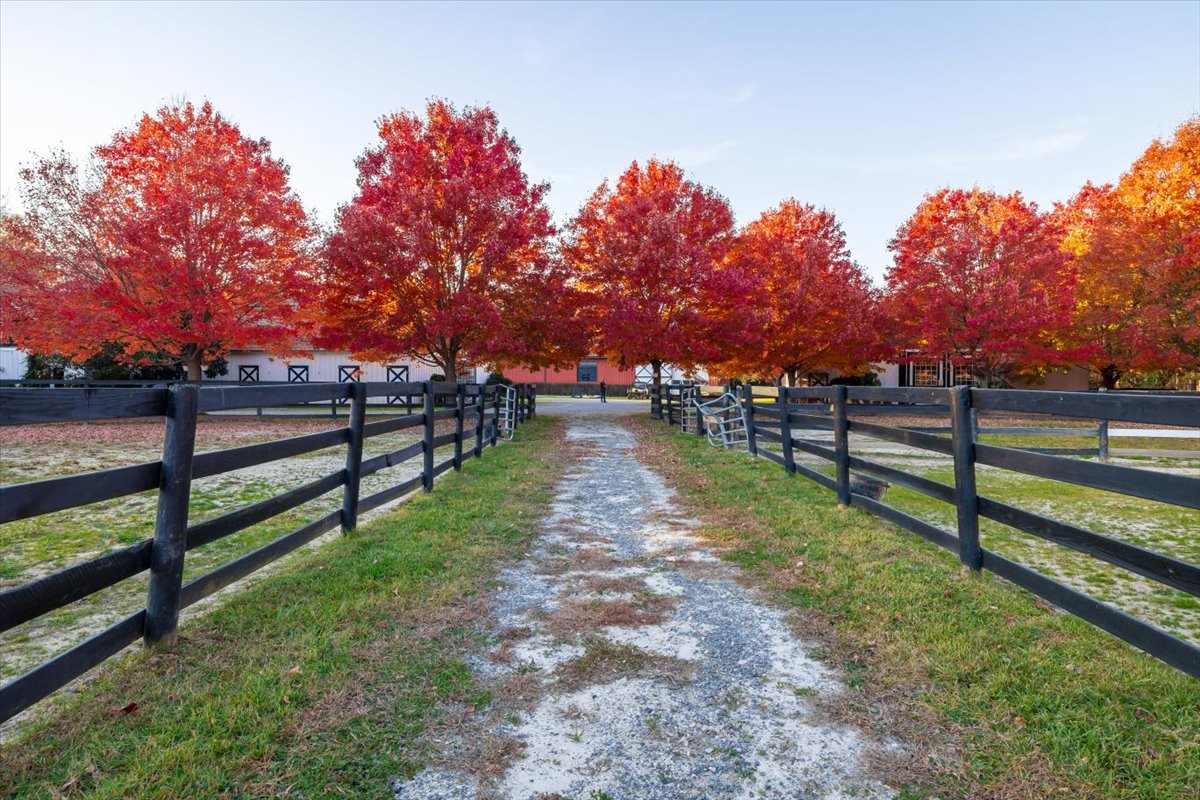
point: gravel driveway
(626, 661)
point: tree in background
(1136, 251)
(1110, 330)
(648, 253)
(980, 277)
(183, 240)
(809, 304)
(444, 254)
(1160, 199)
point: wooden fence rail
(164, 554)
(784, 418)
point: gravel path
(627, 662)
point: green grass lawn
(34, 547)
(312, 682)
(1115, 443)
(1045, 704)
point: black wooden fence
(474, 410)
(775, 431)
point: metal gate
(507, 421)
(724, 420)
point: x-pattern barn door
(397, 374)
(348, 373)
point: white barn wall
(12, 363)
(323, 366)
(889, 374)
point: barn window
(248, 373)
(298, 374)
(963, 376)
(348, 373)
(927, 374)
(585, 373)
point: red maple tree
(648, 254)
(980, 277)
(810, 306)
(444, 254)
(182, 241)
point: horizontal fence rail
(475, 412)
(780, 417)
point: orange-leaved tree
(810, 305)
(181, 241)
(1160, 196)
(648, 253)
(1111, 329)
(444, 255)
(979, 277)
(1136, 250)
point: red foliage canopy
(648, 253)
(809, 304)
(444, 253)
(184, 241)
(980, 276)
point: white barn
(328, 365)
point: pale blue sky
(862, 108)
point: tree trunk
(1109, 376)
(448, 363)
(195, 373)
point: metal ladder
(724, 420)
(508, 411)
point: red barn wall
(605, 371)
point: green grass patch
(314, 681)
(1047, 705)
(1072, 442)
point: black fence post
(748, 410)
(354, 453)
(656, 400)
(460, 405)
(532, 400)
(427, 443)
(171, 521)
(841, 444)
(698, 398)
(785, 431)
(670, 407)
(962, 432)
(1102, 443)
(479, 412)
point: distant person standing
(603, 392)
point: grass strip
(314, 681)
(1044, 704)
